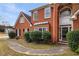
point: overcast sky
(9, 12)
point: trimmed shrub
(27, 37)
(17, 37)
(46, 36)
(36, 36)
(12, 34)
(73, 39)
(2, 30)
(77, 51)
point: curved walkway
(21, 49)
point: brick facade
(53, 21)
(22, 26)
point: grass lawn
(34, 45)
(6, 51)
(68, 52)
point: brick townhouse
(57, 18)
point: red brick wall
(22, 26)
(75, 7)
(42, 19)
(54, 20)
(41, 16)
(76, 23)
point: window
(45, 29)
(47, 12)
(21, 20)
(26, 30)
(41, 29)
(36, 29)
(65, 17)
(35, 15)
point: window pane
(36, 29)
(47, 12)
(40, 29)
(35, 15)
(21, 20)
(45, 29)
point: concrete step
(63, 42)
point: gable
(22, 15)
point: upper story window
(21, 19)
(47, 12)
(35, 15)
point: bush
(46, 36)
(17, 37)
(2, 30)
(77, 50)
(73, 39)
(12, 34)
(36, 36)
(27, 37)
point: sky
(9, 12)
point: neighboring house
(6, 29)
(23, 24)
(57, 18)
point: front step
(63, 42)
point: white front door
(25, 30)
(63, 31)
(64, 24)
(17, 32)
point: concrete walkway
(21, 49)
(4, 36)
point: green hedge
(12, 34)
(27, 37)
(73, 39)
(46, 36)
(36, 36)
(2, 30)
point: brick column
(55, 24)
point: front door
(64, 30)
(17, 32)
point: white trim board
(39, 23)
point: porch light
(74, 17)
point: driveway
(4, 36)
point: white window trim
(45, 13)
(33, 15)
(41, 23)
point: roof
(27, 16)
(44, 6)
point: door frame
(60, 34)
